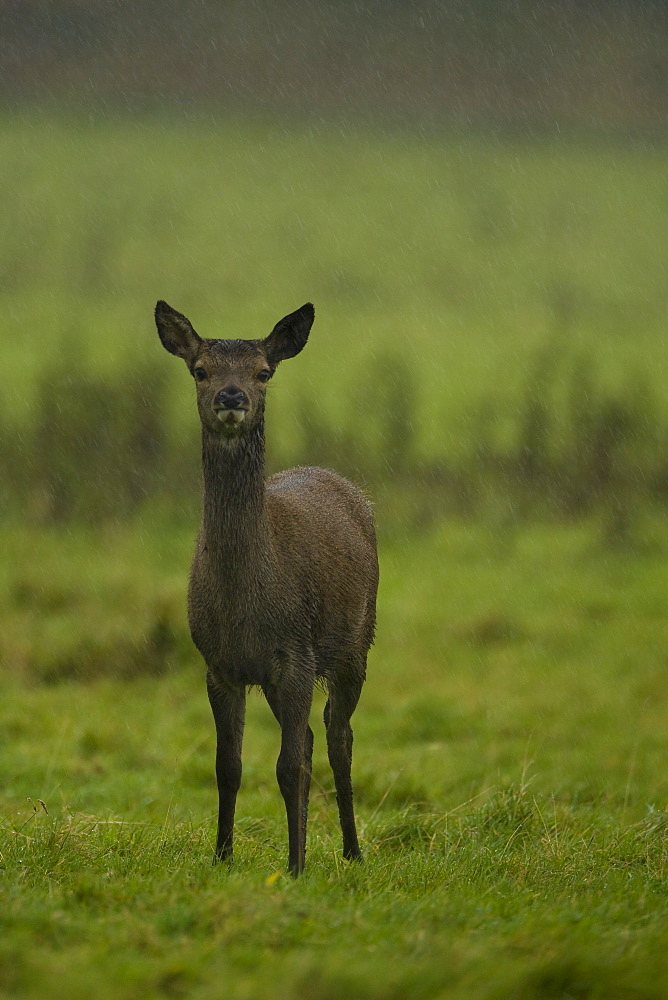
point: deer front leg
(293, 768)
(228, 707)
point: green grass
(464, 254)
(478, 301)
(510, 744)
(509, 771)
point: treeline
(99, 447)
(515, 61)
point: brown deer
(283, 582)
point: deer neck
(235, 532)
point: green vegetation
(510, 778)
(511, 741)
(511, 295)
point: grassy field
(511, 292)
(511, 740)
(462, 254)
(510, 780)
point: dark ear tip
(162, 307)
(306, 312)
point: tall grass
(489, 330)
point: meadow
(511, 740)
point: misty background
(522, 63)
(456, 169)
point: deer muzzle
(230, 405)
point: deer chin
(231, 420)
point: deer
(283, 583)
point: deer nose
(230, 398)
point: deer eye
(264, 375)
(199, 373)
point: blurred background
(473, 193)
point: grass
(512, 293)
(477, 915)
(463, 253)
(511, 742)
(509, 780)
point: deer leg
(306, 784)
(293, 768)
(228, 707)
(338, 710)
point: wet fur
(283, 582)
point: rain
(473, 196)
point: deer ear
(289, 335)
(176, 332)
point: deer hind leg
(293, 768)
(343, 698)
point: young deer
(284, 578)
